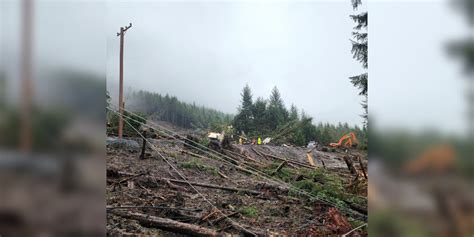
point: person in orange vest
(259, 141)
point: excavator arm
(341, 140)
(347, 140)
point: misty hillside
(171, 109)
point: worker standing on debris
(259, 141)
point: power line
(186, 180)
(257, 172)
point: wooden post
(350, 166)
(362, 167)
(142, 155)
(121, 103)
(26, 140)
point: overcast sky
(413, 82)
(207, 51)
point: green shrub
(198, 165)
(249, 211)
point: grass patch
(198, 165)
(173, 155)
(249, 211)
(324, 185)
(321, 183)
(285, 174)
(355, 223)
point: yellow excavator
(348, 140)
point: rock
(123, 144)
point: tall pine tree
(464, 49)
(293, 113)
(277, 114)
(243, 121)
(259, 111)
(360, 53)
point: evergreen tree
(308, 129)
(293, 113)
(244, 119)
(360, 53)
(277, 114)
(259, 112)
(464, 50)
(170, 109)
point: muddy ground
(260, 206)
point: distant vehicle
(348, 140)
(219, 141)
(436, 159)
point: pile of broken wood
(157, 199)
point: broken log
(210, 154)
(244, 156)
(131, 177)
(257, 152)
(290, 161)
(152, 207)
(222, 175)
(350, 166)
(238, 167)
(209, 215)
(244, 170)
(362, 167)
(179, 188)
(166, 224)
(355, 207)
(212, 186)
(279, 167)
(224, 216)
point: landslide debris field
(180, 188)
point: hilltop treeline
(170, 109)
(270, 118)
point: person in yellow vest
(240, 140)
(259, 141)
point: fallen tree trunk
(238, 167)
(244, 156)
(235, 162)
(279, 167)
(290, 161)
(131, 177)
(253, 192)
(224, 216)
(166, 224)
(257, 152)
(358, 208)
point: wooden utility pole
(26, 136)
(121, 104)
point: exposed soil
(267, 209)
